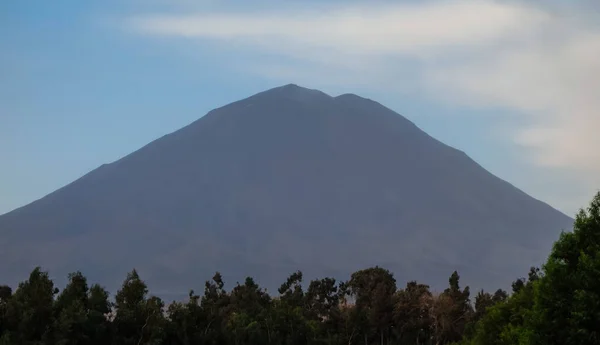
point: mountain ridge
(294, 168)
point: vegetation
(558, 304)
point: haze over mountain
(287, 179)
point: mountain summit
(287, 179)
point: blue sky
(84, 83)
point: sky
(514, 84)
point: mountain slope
(287, 179)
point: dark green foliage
(567, 304)
(412, 321)
(365, 310)
(71, 309)
(5, 296)
(81, 313)
(505, 322)
(138, 319)
(29, 312)
(558, 304)
(458, 312)
(98, 327)
(214, 304)
(373, 290)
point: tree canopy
(558, 303)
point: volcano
(287, 179)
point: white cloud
(541, 63)
(555, 83)
(364, 30)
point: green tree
(214, 304)
(71, 310)
(187, 322)
(373, 290)
(288, 312)
(453, 312)
(29, 312)
(291, 291)
(483, 302)
(412, 321)
(247, 313)
(322, 304)
(567, 304)
(138, 320)
(5, 295)
(499, 296)
(507, 321)
(98, 327)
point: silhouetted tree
(558, 304)
(29, 312)
(138, 320)
(213, 304)
(412, 321)
(567, 303)
(5, 296)
(71, 312)
(373, 290)
(454, 311)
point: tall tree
(373, 290)
(213, 304)
(71, 310)
(483, 301)
(412, 322)
(187, 322)
(247, 313)
(5, 295)
(138, 320)
(288, 312)
(98, 327)
(30, 310)
(455, 310)
(322, 304)
(567, 304)
(507, 322)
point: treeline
(366, 309)
(558, 304)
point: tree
(29, 312)
(559, 304)
(483, 301)
(98, 327)
(507, 322)
(71, 310)
(288, 317)
(5, 296)
(323, 298)
(187, 322)
(373, 290)
(499, 296)
(322, 304)
(246, 313)
(453, 311)
(412, 322)
(567, 304)
(138, 320)
(213, 304)
(291, 291)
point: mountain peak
(296, 92)
(269, 185)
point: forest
(558, 303)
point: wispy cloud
(356, 30)
(538, 62)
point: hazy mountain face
(287, 179)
